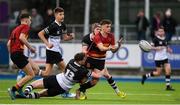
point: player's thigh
(48, 68)
(61, 65)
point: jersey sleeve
(84, 41)
(25, 30)
(49, 29)
(155, 41)
(64, 28)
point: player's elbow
(40, 34)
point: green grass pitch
(150, 93)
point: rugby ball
(145, 46)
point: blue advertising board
(4, 54)
(174, 58)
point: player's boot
(143, 79)
(169, 88)
(12, 94)
(68, 95)
(79, 96)
(121, 94)
(21, 93)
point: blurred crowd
(165, 19)
(38, 21)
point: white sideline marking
(89, 104)
(131, 94)
(136, 94)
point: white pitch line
(89, 104)
(135, 94)
(132, 94)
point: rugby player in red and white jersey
(96, 49)
(16, 42)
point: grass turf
(150, 93)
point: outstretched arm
(116, 48)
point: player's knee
(168, 72)
(158, 73)
(45, 73)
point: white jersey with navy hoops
(162, 54)
(74, 73)
(55, 32)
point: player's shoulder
(71, 61)
(111, 35)
(86, 37)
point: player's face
(83, 61)
(97, 30)
(161, 32)
(28, 21)
(106, 28)
(59, 16)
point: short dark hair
(25, 15)
(161, 27)
(58, 9)
(105, 21)
(79, 56)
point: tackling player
(75, 72)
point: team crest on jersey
(160, 42)
(58, 32)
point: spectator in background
(48, 17)
(169, 24)
(141, 25)
(155, 23)
(37, 23)
(23, 11)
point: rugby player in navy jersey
(160, 45)
(56, 32)
(75, 72)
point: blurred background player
(56, 32)
(103, 41)
(87, 41)
(15, 46)
(75, 72)
(160, 45)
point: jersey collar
(91, 34)
(58, 23)
(77, 64)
